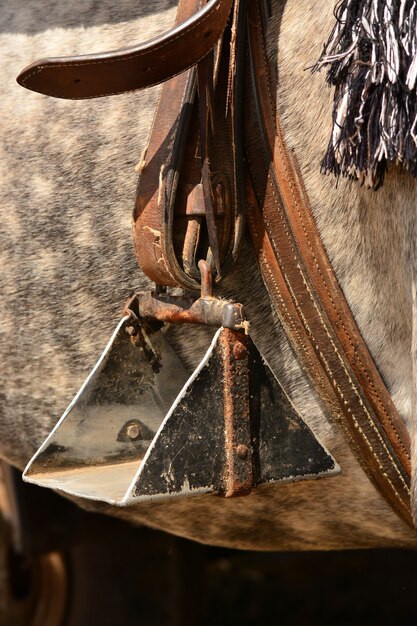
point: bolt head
(242, 451)
(133, 431)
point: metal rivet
(242, 452)
(133, 431)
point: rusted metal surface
(239, 474)
(91, 451)
(140, 428)
(170, 309)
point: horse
(68, 182)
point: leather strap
(188, 202)
(306, 295)
(136, 67)
(189, 191)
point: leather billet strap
(189, 198)
(306, 294)
(137, 67)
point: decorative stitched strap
(136, 67)
(306, 294)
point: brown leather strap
(307, 297)
(192, 156)
(137, 67)
(189, 192)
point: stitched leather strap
(137, 67)
(307, 297)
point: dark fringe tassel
(372, 59)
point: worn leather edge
(173, 132)
(170, 123)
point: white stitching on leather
(305, 323)
(290, 320)
(335, 349)
(354, 389)
(339, 317)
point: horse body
(68, 188)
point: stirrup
(140, 428)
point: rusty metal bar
(235, 355)
(182, 310)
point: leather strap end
(130, 69)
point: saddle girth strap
(189, 202)
(293, 262)
(306, 294)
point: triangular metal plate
(285, 447)
(99, 442)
